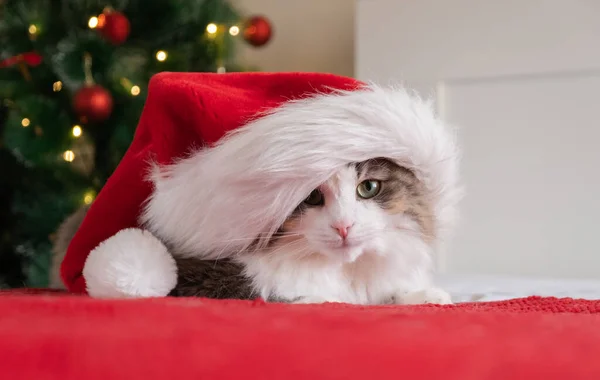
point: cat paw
(312, 300)
(425, 296)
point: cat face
(362, 209)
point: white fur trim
(217, 201)
(131, 263)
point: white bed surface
(470, 288)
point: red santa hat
(219, 161)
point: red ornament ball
(113, 26)
(258, 31)
(92, 104)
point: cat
(363, 237)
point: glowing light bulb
(25, 122)
(234, 30)
(57, 86)
(93, 22)
(77, 131)
(161, 55)
(32, 29)
(211, 28)
(88, 197)
(69, 155)
(135, 90)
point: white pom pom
(132, 263)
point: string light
(25, 122)
(161, 55)
(69, 156)
(221, 70)
(32, 29)
(93, 22)
(211, 28)
(234, 30)
(76, 131)
(88, 197)
(57, 86)
(133, 89)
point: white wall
(521, 79)
(309, 35)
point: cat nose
(342, 228)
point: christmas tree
(73, 77)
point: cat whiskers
(253, 238)
(296, 247)
(417, 233)
(233, 244)
(370, 234)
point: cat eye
(368, 189)
(315, 198)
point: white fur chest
(371, 279)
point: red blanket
(55, 336)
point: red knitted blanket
(56, 336)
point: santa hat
(219, 161)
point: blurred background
(521, 79)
